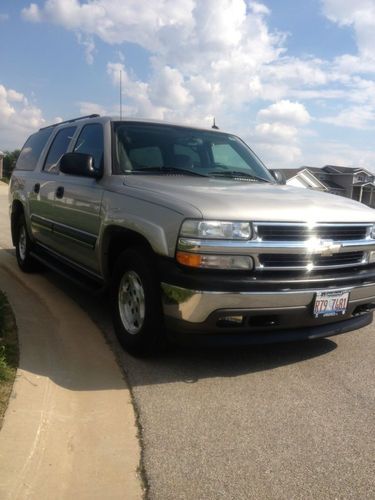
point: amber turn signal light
(189, 259)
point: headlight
(218, 230)
(188, 253)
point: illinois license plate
(331, 303)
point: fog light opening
(363, 309)
(228, 321)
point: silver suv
(191, 234)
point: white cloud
(32, 13)
(339, 153)
(358, 117)
(218, 58)
(89, 46)
(360, 14)
(278, 131)
(275, 133)
(259, 8)
(114, 21)
(168, 87)
(91, 108)
(14, 96)
(18, 118)
(224, 41)
(286, 112)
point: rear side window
(32, 149)
(90, 141)
(58, 147)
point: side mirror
(79, 164)
(279, 176)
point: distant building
(355, 183)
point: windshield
(159, 149)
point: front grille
(303, 261)
(301, 232)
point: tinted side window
(58, 147)
(32, 149)
(90, 141)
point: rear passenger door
(42, 202)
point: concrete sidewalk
(69, 431)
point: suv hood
(243, 200)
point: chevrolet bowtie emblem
(327, 248)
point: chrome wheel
(131, 302)
(22, 242)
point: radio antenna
(120, 94)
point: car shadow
(191, 363)
(177, 363)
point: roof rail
(72, 120)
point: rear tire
(23, 247)
(136, 303)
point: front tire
(136, 304)
(23, 247)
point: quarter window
(91, 142)
(58, 147)
(32, 149)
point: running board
(80, 277)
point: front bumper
(266, 316)
(196, 306)
(273, 308)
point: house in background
(355, 183)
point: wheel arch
(17, 210)
(115, 240)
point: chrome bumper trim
(195, 306)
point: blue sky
(294, 79)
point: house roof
(332, 185)
(307, 171)
(315, 170)
(363, 184)
(337, 169)
(328, 170)
(291, 172)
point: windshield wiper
(236, 174)
(168, 170)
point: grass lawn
(8, 353)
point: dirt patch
(8, 353)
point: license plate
(331, 303)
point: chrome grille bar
(272, 231)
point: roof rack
(72, 120)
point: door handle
(36, 188)
(60, 192)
